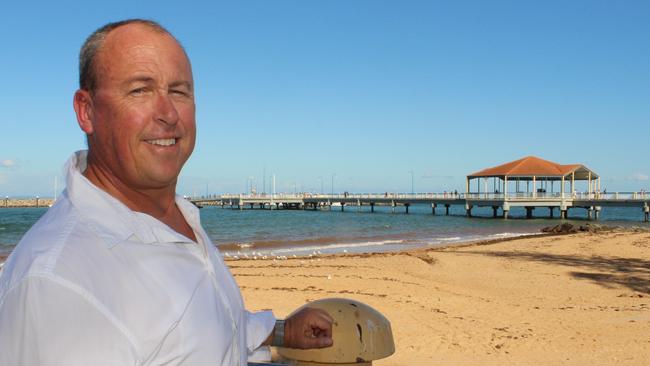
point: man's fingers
(321, 319)
(317, 342)
(309, 328)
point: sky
(372, 96)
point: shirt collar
(114, 221)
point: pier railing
(337, 196)
(514, 196)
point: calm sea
(286, 232)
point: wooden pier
(531, 183)
(556, 202)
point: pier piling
(529, 212)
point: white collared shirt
(94, 283)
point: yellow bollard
(360, 333)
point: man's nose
(166, 110)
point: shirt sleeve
(45, 323)
(258, 328)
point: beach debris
(567, 228)
(564, 228)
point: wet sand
(568, 299)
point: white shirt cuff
(258, 328)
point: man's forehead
(139, 46)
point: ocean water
(288, 232)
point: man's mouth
(162, 142)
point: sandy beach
(573, 299)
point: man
(119, 271)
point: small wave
(510, 235)
(453, 238)
(335, 247)
(469, 238)
(357, 247)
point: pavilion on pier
(541, 174)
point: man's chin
(160, 180)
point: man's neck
(159, 202)
(155, 202)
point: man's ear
(83, 107)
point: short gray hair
(94, 42)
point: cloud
(639, 177)
(7, 163)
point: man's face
(143, 108)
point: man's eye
(138, 91)
(178, 92)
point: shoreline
(235, 252)
(377, 245)
(412, 250)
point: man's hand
(308, 328)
